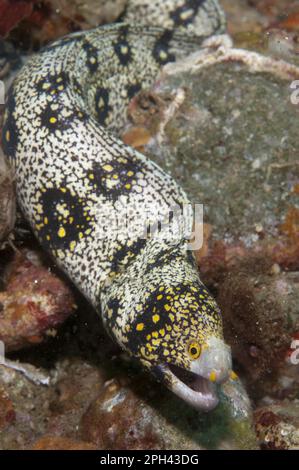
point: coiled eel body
(88, 196)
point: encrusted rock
(117, 419)
(260, 311)
(138, 414)
(277, 426)
(7, 412)
(7, 199)
(33, 303)
(61, 443)
(42, 417)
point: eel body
(88, 196)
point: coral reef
(224, 124)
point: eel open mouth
(194, 389)
(197, 386)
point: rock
(141, 415)
(130, 411)
(11, 14)
(47, 416)
(282, 44)
(208, 145)
(33, 303)
(38, 24)
(260, 311)
(277, 425)
(25, 404)
(86, 381)
(77, 384)
(7, 199)
(242, 18)
(7, 412)
(90, 13)
(276, 8)
(117, 419)
(61, 443)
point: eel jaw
(197, 386)
(200, 393)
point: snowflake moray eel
(75, 179)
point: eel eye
(194, 350)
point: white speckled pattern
(73, 175)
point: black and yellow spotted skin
(169, 322)
(75, 178)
